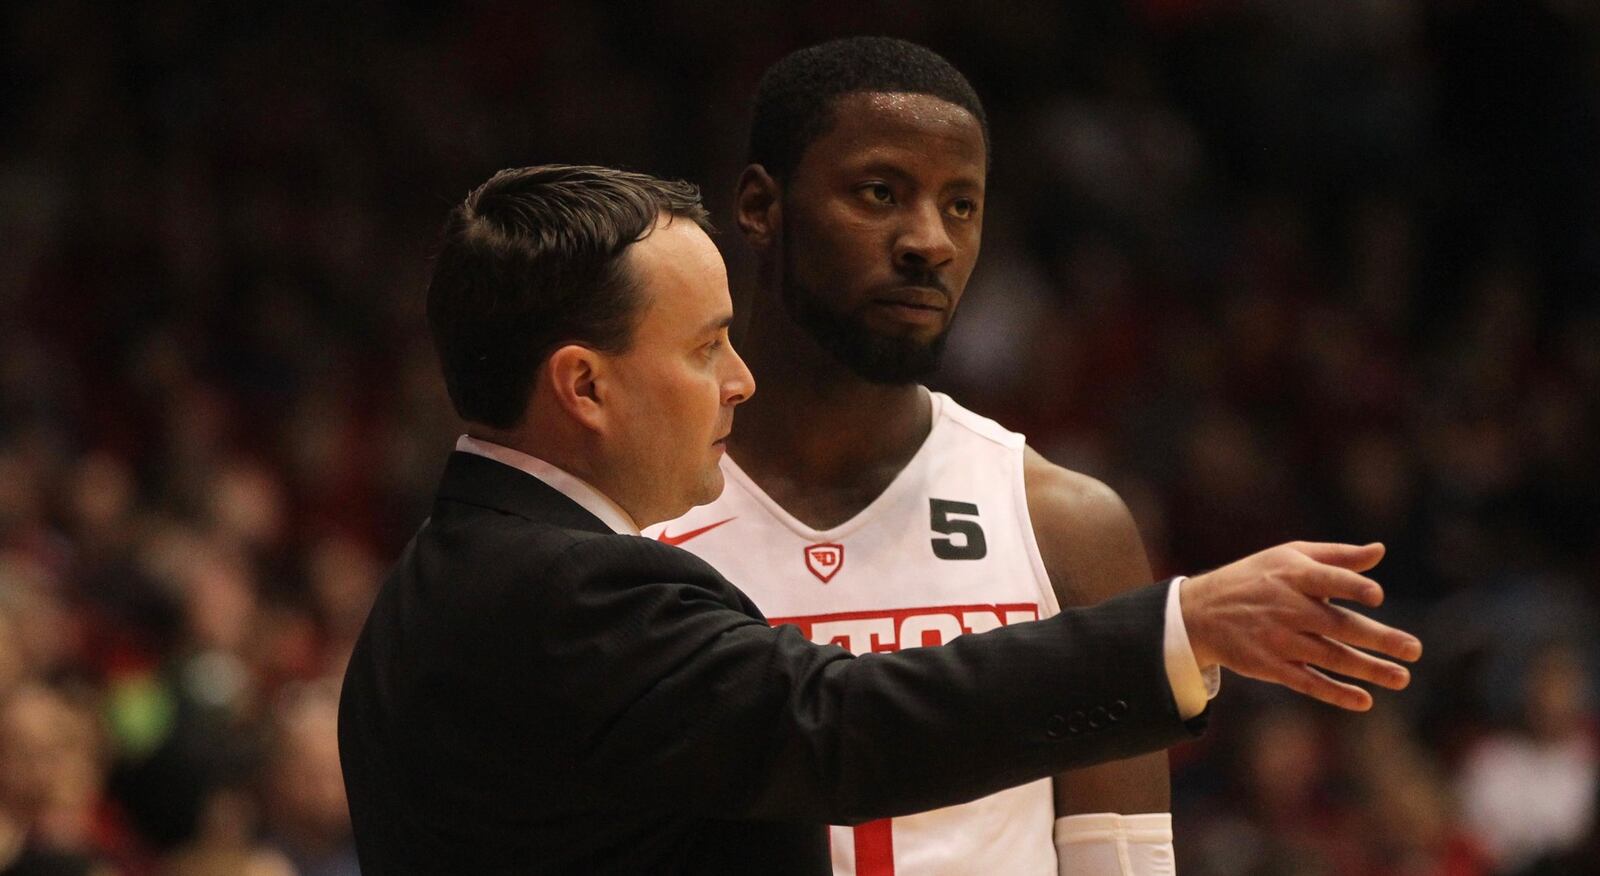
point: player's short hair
(533, 260)
(796, 96)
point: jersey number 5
(942, 518)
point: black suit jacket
(533, 693)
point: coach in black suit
(538, 689)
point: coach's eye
(877, 193)
(963, 208)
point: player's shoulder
(1086, 534)
(1056, 490)
(975, 425)
(1059, 499)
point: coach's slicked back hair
(533, 260)
(795, 99)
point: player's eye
(963, 208)
(877, 193)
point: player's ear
(758, 207)
(573, 375)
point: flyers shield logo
(825, 560)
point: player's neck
(823, 425)
(813, 426)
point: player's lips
(920, 297)
(918, 305)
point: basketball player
(872, 512)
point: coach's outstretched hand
(1268, 616)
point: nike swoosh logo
(685, 536)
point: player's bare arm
(1092, 551)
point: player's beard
(871, 356)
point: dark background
(1271, 268)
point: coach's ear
(758, 207)
(572, 376)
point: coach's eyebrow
(718, 324)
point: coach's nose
(738, 384)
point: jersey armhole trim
(1048, 603)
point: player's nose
(923, 241)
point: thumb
(1356, 558)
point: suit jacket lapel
(476, 480)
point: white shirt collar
(592, 500)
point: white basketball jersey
(947, 549)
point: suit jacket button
(1098, 718)
(1075, 724)
(1055, 727)
(1117, 710)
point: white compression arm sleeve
(1107, 844)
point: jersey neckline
(897, 485)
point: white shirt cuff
(1192, 686)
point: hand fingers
(1306, 680)
(1343, 625)
(1356, 558)
(1347, 661)
(1333, 582)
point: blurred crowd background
(1271, 268)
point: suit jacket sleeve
(679, 684)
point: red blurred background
(1271, 268)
